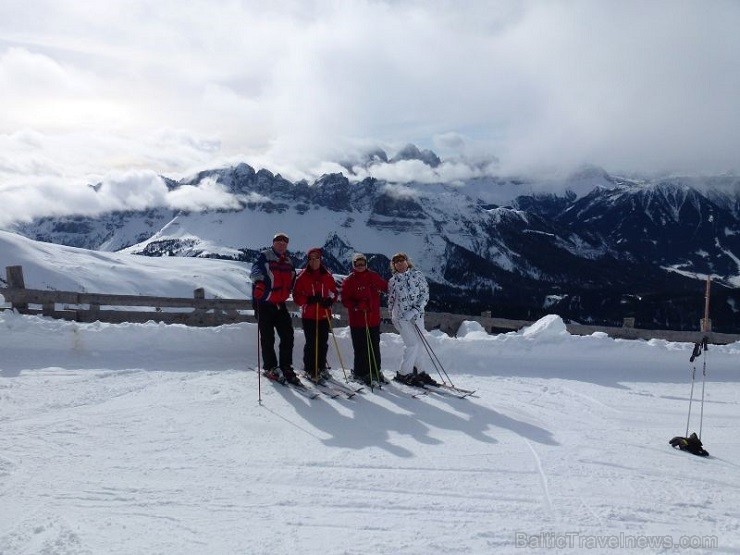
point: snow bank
(546, 328)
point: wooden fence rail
(199, 311)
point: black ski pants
(363, 359)
(272, 318)
(309, 351)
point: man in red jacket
(273, 275)
(361, 295)
(315, 291)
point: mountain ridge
(622, 249)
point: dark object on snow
(692, 444)
(699, 347)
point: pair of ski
(443, 389)
(417, 391)
(331, 388)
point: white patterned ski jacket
(408, 294)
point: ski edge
(300, 389)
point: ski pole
(429, 351)
(696, 353)
(259, 359)
(371, 353)
(703, 383)
(316, 347)
(336, 345)
(433, 356)
(705, 341)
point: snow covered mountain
(595, 254)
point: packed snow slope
(57, 267)
(146, 438)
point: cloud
(294, 86)
(206, 195)
(406, 171)
(401, 192)
(133, 190)
(117, 191)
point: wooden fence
(199, 311)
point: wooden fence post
(199, 314)
(15, 280)
(15, 277)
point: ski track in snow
(102, 452)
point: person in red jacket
(273, 275)
(361, 296)
(315, 291)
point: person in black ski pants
(273, 276)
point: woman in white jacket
(408, 294)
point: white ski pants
(413, 352)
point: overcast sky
(121, 90)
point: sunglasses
(281, 238)
(314, 258)
(360, 263)
(399, 259)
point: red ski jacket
(315, 283)
(273, 276)
(361, 295)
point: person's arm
(381, 284)
(329, 290)
(257, 276)
(258, 269)
(300, 295)
(423, 298)
(347, 293)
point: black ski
(348, 390)
(444, 388)
(300, 389)
(412, 391)
(325, 388)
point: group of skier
(314, 289)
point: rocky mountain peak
(412, 152)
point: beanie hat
(358, 256)
(315, 250)
(281, 235)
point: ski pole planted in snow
(692, 443)
(433, 356)
(336, 346)
(371, 355)
(259, 361)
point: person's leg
(422, 357)
(412, 345)
(284, 327)
(359, 346)
(323, 332)
(375, 344)
(266, 325)
(309, 356)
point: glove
(259, 291)
(314, 299)
(327, 302)
(411, 315)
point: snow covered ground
(149, 439)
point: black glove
(327, 302)
(314, 299)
